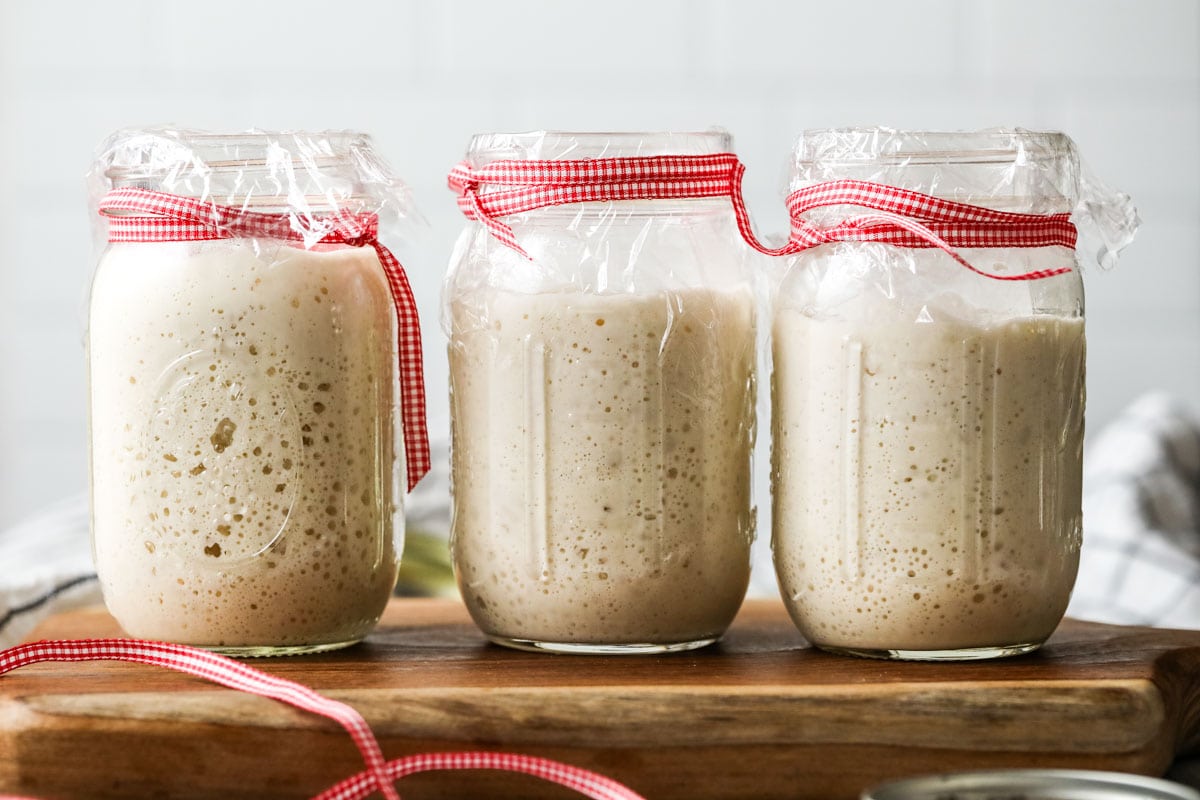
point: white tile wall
(1079, 42)
(1123, 76)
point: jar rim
(153, 153)
(558, 145)
(269, 171)
(851, 145)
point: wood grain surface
(759, 715)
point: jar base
(601, 649)
(273, 651)
(959, 654)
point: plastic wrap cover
(304, 175)
(1036, 172)
(1014, 170)
(630, 247)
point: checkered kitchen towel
(45, 567)
(1141, 518)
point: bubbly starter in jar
(242, 394)
(603, 494)
(927, 492)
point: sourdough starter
(602, 464)
(927, 479)
(243, 449)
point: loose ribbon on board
(379, 774)
(901, 217)
(140, 215)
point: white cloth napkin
(1140, 563)
(45, 567)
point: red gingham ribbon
(138, 215)
(215, 668)
(529, 185)
(379, 775)
(586, 783)
(906, 218)
(902, 218)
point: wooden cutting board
(760, 715)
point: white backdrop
(1121, 76)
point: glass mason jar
(602, 408)
(927, 420)
(245, 443)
